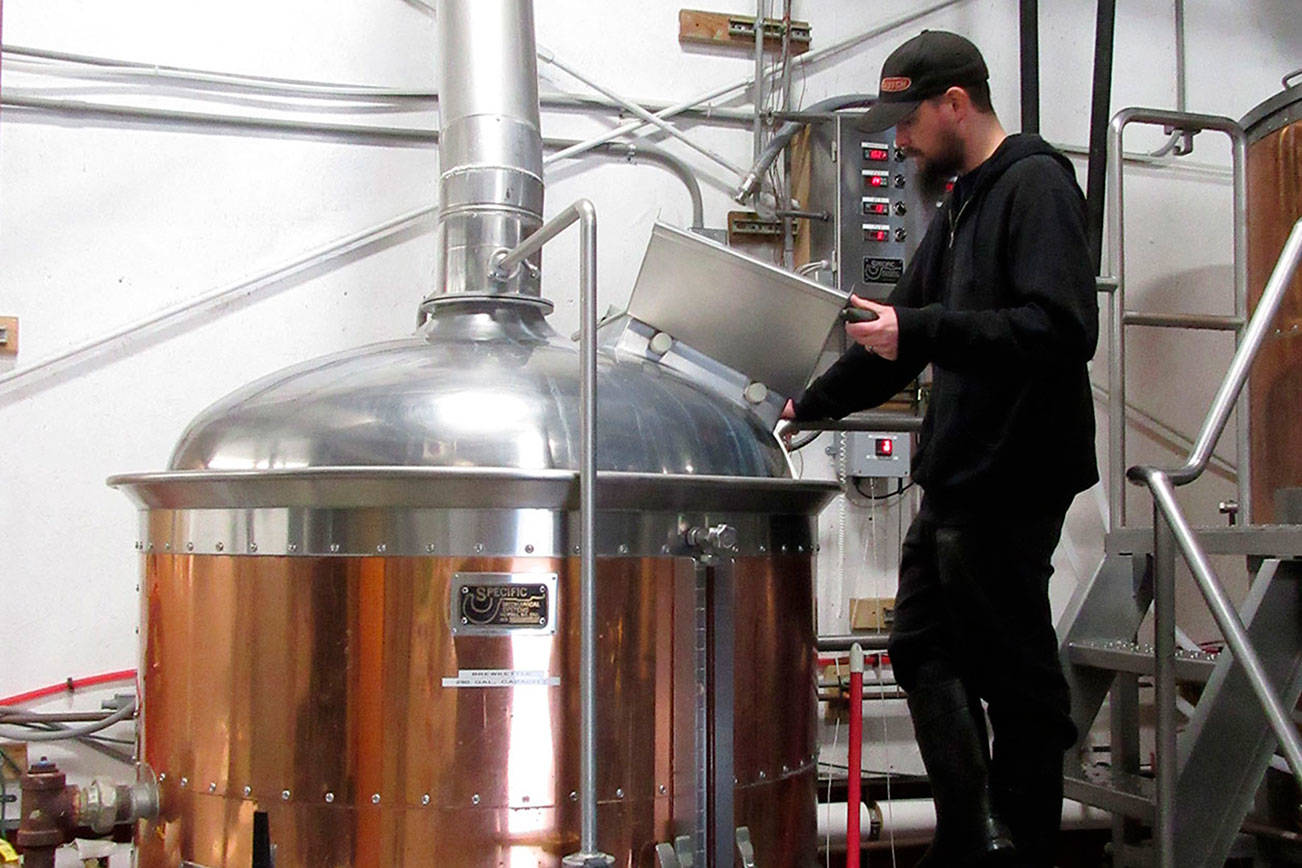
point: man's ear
(958, 100)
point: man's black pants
(973, 600)
(973, 604)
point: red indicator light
(876, 206)
(876, 181)
(875, 234)
(879, 155)
(885, 447)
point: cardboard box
(872, 613)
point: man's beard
(936, 170)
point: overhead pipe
(14, 382)
(247, 287)
(757, 95)
(693, 106)
(1176, 142)
(383, 135)
(1096, 174)
(800, 60)
(1029, 33)
(642, 151)
(750, 183)
(656, 121)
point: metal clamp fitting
(713, 540)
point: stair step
(1265, 540)
(1190, 666)
(1118, 792)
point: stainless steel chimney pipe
(490, 148)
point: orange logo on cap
(895, 84)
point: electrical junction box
(878, 454)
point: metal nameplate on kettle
(497, 604)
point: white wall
(102, 223)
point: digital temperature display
(876, 179)
(873, 205)
(875, 153)
(875, 232)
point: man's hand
(882, 335)
(789, 411)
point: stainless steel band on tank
(407, 512)
(451, 532)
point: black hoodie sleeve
(1053, 314)
(859, 379)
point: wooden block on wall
(721, 28)
(8, 335)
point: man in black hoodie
(1000, 300)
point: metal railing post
(1164, 687)
(1117, 335)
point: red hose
(69, 686)
(855, 764)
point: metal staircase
(1225, 747)
(1205, 779)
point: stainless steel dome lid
(484, 386)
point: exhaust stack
(490, 150)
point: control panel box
(877, 454)
(877, 212)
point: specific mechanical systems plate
(497, 604)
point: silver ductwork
(490, 149)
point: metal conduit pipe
(637, 151)
(1174, 142)
(243, 288)
(210, 80)
(664, 126)
(749, 185)
(1029, 53)
(1096, 173)
(800, 60)
(249, 287)
(757, 95)
(383, 135)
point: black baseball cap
(927, 65)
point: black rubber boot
(1026, 786)
(967, 831)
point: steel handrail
(1172, 533)
(1118, 317)
(1237, 375)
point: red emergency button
(885, 447)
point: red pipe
(69, 686)
(854, 769)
